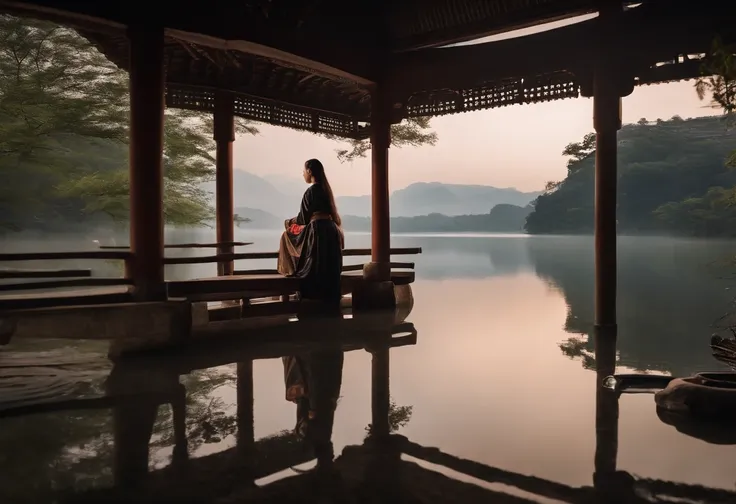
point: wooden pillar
(380, 392)
(606, 402)
(607, 121)
(608, 79)
(611, 485)
(245, 438)
(146, 152)
(379, 269)
(224, 135)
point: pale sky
(516, 146)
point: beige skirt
(289, 253)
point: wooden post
(606, 402)
(224, 135)
(377, 290)
(607, 121)
(380, 392)
(146, 151)
(379, 269)
(245, 437)
(607, 92)
(608, 482)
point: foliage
(712, 214)
(413, 132)
(577, 347)
(579, 151)
(398, 417)
(63, 134)
(238, 220)
(660, 166)
(207, 418)
(53, 92)
(718, 77)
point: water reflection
(670, 294)
(107, 444)
(153, 407)
(613, 485)
(490, 408)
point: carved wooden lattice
(267, 111)
(492, 95)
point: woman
(311, 247)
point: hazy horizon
(531, 140)
(518, 146)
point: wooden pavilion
(351, 69)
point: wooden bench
(245, 284)
(259, 286)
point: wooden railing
(66, 278)
(274, 255)
(184, 245)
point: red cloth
(295, 229)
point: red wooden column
(380, 391)
(607, 121)
(610, 82)
(146, 150)
(224, 135)
(606, 413)
(245, 437)
(379, 269)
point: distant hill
(673, 178)
(423, 198)
(254, 192)
(503, 218)
(280, 196)
(259, 219)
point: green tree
(63, 134)
(712, 214)
(44, 70)
(579, 151)
(718, 77)
(413, 132)
(187, 163)
(660, 165)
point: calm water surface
(502, 372)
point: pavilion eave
(239, 28)
(277, 113)
(486, 25)
(555, 64)
(263, 90)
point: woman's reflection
(313, 380)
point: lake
(502, 372)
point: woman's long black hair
(318, 172)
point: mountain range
(269, 200)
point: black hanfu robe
(311, 248)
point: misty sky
(517, 146)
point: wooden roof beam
(655, 30)
(518, 20)
(333, 59)
(302, 60)
(515, 20)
